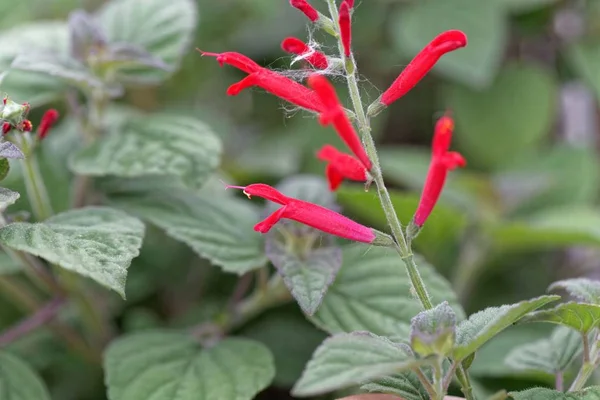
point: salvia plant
(144, 184)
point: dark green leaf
(4, 168)
(523, 5)
(172, 366)
(372, 292)
(351, 358)
(18, 381)
(163, 145)
(475, 65)
(480, 327)
(579, 316)
(96, 242)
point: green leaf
(406, 385)
(480, 327)
(96, 242)
(163, 145)
(583, 289)
(307, 277)
(169, 365)
(9, 150)
(18, 381)
(523, 5)
(585, 59)
(164, 29)
(552, 355)
(476, 64)
(351, 358)
(433, 331)
(7, 265)
(525, 92)
(4, 168)
(7, 198)
(579, 316)
(217, 228)
(372, 292)
(590, 393)
(563, 226)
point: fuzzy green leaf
(9, 150)
(307, 277)
(350, 358)
(163, 145)
(583, 289)
(96, 242)
(582, 317)
(7, 198)
(217, 228)
(590, 393)
(406, 385)
(552, 355)
(476, 64)
(480, 327)
(433, 331)
(164, 29)
(170, 365)
(18, 381)
(372, 292)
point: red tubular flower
(48, 120)
(271, 81)
(306, 213)
(306, 9)
(333, 113)
(345, 27)
(6, 127)
(423, 62)
(341, 166)
(312, 56)
(442, 161)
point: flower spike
(345, 27)
(341, 166)
(274, 83)
(313, 57)
(313, 215)
(333, 113)
(419, 66)
(442, 161)
(48, 120)
(308, 10)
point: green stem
(438, 380)
(426, 383)
(465, 382)
(591, 359)
(36, 190)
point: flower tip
(293, 45)
(449, 41)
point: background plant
(146, 133)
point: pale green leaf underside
(97, 242)
(551, 355)
(307, 278)
(590, 393)
(167, 365)
(406, 385)
(7, 198)
(165, 145)
(164, 29)
(372, 292)
(350, 358)
(18, 381)
(472, 333)
(217, 228)
(582, 317)
(583, 289)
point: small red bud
(6, 127)
(345, 27)
(26, 125)
(48, 120)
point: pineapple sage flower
(304, 6)
(346, 26)
(423, 62)
(313, 215)
(442, 161)
(341, 166)
(271, 81)
(302, 50)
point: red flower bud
(26, 125)
(48, 120)
(306, 9)
(271, 81)
(341, 166)
(345, 27)
(442, 161)
(312, 56)
(310, 214)
(333, 113)
(423, 62)
(6, 127)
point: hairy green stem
(591, 359)
(425, 382)
(465, 382)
